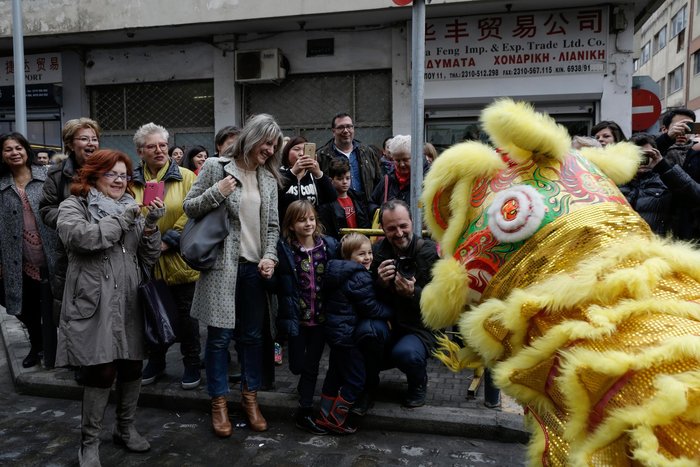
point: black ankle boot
(304, 420)
(363, 404)
(415, 397)
(32, 359)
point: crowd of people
(77, 238)
(666, 190)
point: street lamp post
(18, 54)
(417, 115)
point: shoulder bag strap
(386, 188)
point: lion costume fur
(585, 317)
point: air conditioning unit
(260, 66)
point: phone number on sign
(461, 74)
(533, 70)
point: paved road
(37, 431)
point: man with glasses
(151, 142)
(364, 167)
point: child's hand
(266, 267)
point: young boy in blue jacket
(350, 306)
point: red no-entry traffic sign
(646, 108)
(402, 2)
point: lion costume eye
(516, 213)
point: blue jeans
(403, 351)
(251, 306)
(346, 373)
(305, 351)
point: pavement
(450, 408)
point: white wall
(149, 63)
(73, 16)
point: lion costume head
(585, 317)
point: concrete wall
(75, 16)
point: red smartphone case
(152, 191)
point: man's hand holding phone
(650, 157)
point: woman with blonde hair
(230, 297)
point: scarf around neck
(101, 206)
(404, 180)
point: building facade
(194, 67)
(668, 51)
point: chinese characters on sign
(516, 44)
(40, 68)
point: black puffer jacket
(683, 185)
(349, 298)
(667, 199)
(652, 200)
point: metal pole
(18, 54)
(417, 115)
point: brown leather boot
(249, 402)
(219, 417)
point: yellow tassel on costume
(454, 357)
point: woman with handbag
(101, 329)
(27, 246)
(231, 296)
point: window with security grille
(305, 104)
(184, 108)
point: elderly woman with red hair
(101, 329)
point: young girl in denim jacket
(303, 253)
(350, 304)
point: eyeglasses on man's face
(153, 147)
(87, 139)
(344, 127)
(115, 176)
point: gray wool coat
(101, 317)
(214, 300)
(12, 223)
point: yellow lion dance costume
(585, 317)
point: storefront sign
(38, 95)
(517, 44)
(38, 69)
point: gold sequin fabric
(594, 326)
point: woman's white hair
(148, 129)
(399, 144)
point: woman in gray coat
(101, 326)
(27, 246)
(231, 295)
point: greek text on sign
(38, 69)
(517, 44)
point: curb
(449, 421)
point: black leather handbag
(159, 311)
(201, 238)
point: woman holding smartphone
(302, 177)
